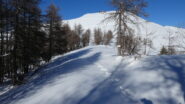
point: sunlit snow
(96, 75)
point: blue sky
(164, 12)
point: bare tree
(124, 8)
(73, 41)
(132, 44)
(181, 42)
(86, 38)
(78, 29)
(107, 37)
(147, 42)
(171, 46)
(98, 36)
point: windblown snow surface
(96, 75)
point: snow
(140, 26)
(157, 81)
(67, 79)
(96, 75)
(5, 88)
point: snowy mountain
(96, 75)
(159, 34)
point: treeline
(27, 37)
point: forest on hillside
(29, 37)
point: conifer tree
(163, 51)
(21, 36)
(53, 21)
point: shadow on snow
(171, 68)
(46, 74)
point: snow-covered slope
(96, 75)
(140, 26)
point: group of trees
(167, 51)
(101, 38)
(127, 42)
(21, 38)
(27, 37)
(170, 49)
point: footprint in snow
(102, 68)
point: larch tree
(78, 29)
(21, 38)
(27, 36)
(147, 42)
(125, 8)
(107, 37)
(2, 25)
(53, 21)
(73, 40)
(98, 36)
(86, 38)
(61, 40)
(171, 46)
